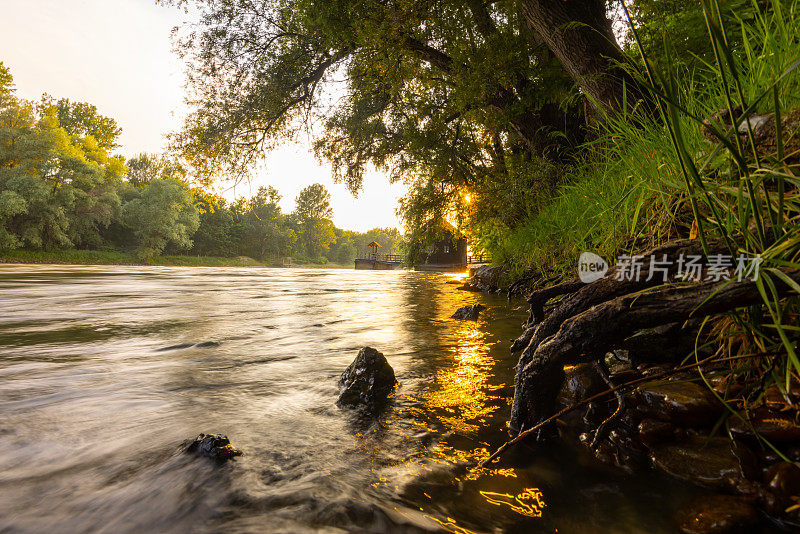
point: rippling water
(104, 371)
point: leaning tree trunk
(579, 33)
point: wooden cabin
(448, 253)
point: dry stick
(521, 436)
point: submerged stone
(580, 382)
(367, 381)
(717, 514)
(652, 432)
(214, 446)
(705, 461)
(468, 313)
(783, 480)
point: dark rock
(763, 131)
(717, 514)
(468, 313)
(618, 361)
(484, 278)
(724, 386)
(652, 432)
(683, 403)
(214, 446)
(580, 382)
(783, 479)
(778, 427)
(367, 381)
(704, 461)
(619, 449)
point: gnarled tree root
(584, 296)
(587, 335)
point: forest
(62, 187)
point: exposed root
(600, 433)
(606, 325)
(587, 296)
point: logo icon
(591, 267)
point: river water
(105, 371)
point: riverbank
(97, 257)
(604, 369)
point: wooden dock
(379, 262)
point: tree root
(600, 433)
(535, 430)
(588, 334)
(582, 299)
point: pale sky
(117, 55)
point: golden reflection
(462, 388)
(459, 277)
(451, 526)
(530, 502)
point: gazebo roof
(375, 244)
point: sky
(118, 56)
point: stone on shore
(778, 427)
(468, 313)
(368, 381)
(214, 446)
(717, 514)
(484, 278)
(682, 403)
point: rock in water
(367, 381)
(717, 514)
(214, 446)
(468, 313)
(705, 461)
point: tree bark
(579, 33)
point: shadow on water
(105, 371)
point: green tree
(82, 120)
(266, 229)
(58, 190)
(144, 168)
(163, 213)
(312, 213)
(6, 82)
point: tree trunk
(579, 33)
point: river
(105, 371)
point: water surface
(105, 371)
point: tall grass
(742, 188)
(651, 179)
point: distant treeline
(61, 188)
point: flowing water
(105, 371)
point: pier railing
(387, 258)
(484, 257)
